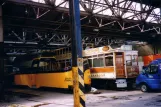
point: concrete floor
(108, 98)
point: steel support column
(77, 60)
(1, 56)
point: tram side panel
(24, 80)
(24, 74)
(48, 73)
(56, 80)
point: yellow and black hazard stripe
(78, 83)
(81, 82)
(81, 88)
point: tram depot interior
(37, 44)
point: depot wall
(144, 50)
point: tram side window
(64, 65)
(98, 62)
(68, 65)
(58, 67)
(109, 61)
(52, 65)
(128, 60)
(43, 65)
(34, 67)
(47, 65)
(134, 60)
(35, 64)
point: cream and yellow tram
(112, 67)
(53, 72)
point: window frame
(112, 60)
(101, 59)
(148, 70)
(129, 60)
(96, 57)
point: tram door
(120, 70)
